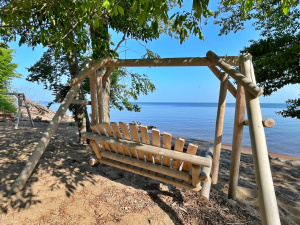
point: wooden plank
(127, 137)
(149, 166)
(99, 96)
(102, 131)
(97, 131)
(89, 67)
(188, 61)
(219, 129)
(194, 159)
(111, 134)
(179, 144)
(136, 138)
(240, 78)
(237, 139)
(96, 149)
(150, 175)
(266, 193)
(219, 75)
(145, 140)
(41, 146)
(167, 143)
(156, 142)
(192, 150)
(118, 134)
(94, 101)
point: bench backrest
(139, 134)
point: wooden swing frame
(247, 96)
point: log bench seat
(129, 148)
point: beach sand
(65, 189)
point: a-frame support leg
(40, 148)
(264, 182)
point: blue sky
(177, 84)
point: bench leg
(196, 176)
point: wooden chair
(131, 149)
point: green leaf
(120, 9)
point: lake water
(197, 121)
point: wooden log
(41, 146)
(94, 100)
(93, 161)
(240, 78)
(149, 166)
(99, 97)
(127, 137)
(89, 68)
(196, 176)
(266, 194)
(219, 129)
(219, 75)
(28, 111)
(192, 150)
(80, 102)
(156, 142)
(136, 138)
(179, 144)
(167, 143)
(267, 122)
(237, 138)
(145, 140)
(107, 73)
(194, 159)
(150, 175)
(96, 149)
(19, 113)
(204, 194)
(205, 171)
(192, 61)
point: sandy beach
(65, 189)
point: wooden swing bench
(120, 147)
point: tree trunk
(80, 110)
(100, 35)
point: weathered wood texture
(89, 67)
(219, 128)
(99, 96)
(239, 117)
(94, 100)
(267, 122)
(192, 61)
(41, 146)
(205, 176)
(220, 75)
(266, 194)
(240, 78)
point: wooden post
(19, 111)
(266, 194)
(94, 98)
(99, 97)
(41, 146)
(240, 78)
(196, 176)
(267, 122)
(206, 184)
(219, 129)
(239, 118)
(28, 111)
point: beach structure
(118, 146)
(22, 103)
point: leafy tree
(7, 72)
(276, 55)
(73, 27)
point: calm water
(197, 121)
